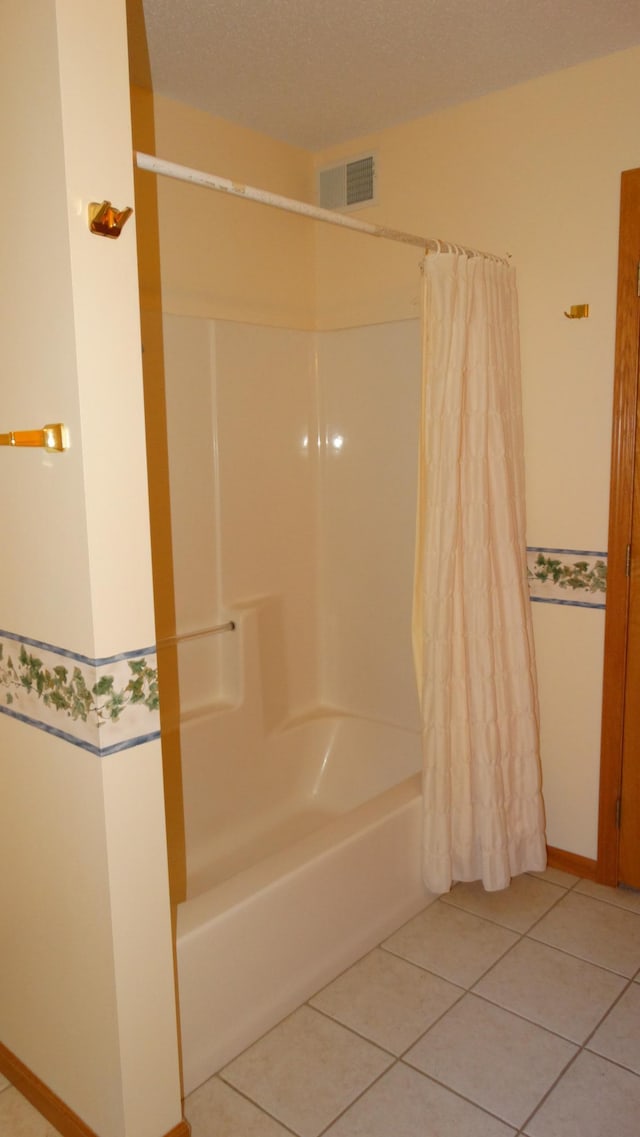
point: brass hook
(106, 220)
(54, 436)
(577, 312)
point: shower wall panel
(268, 533)
(292, 462)
(370, 408)
(193, 504)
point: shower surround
(292, 474)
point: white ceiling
(318, 72)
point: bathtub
(308, 861)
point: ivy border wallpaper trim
(572, 577)
(102, 705)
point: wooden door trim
(574, 863)
(625, 409)
(53, 1108)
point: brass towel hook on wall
(106, 220)
(577, 312)
(51, 437)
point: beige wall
(86, 984)
(219, 256)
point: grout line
(456, 1093)
(254, 1103)
(357, 1098)
(582, 958)
(428, 1078)
(523, 1017)
(589, 899)
(429, 970)
(463, 991)
(581, 1049)
(353, 1030)
(600, 1022)
(516, 931)
(551, 1088)
(604, 900)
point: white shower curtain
(472, 634)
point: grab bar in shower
(169, 641)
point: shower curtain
(472, 632)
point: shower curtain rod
(291, 205)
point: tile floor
(487, 1015)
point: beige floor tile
(622, 897)
(555, 990)
(306, 1071)
(517, 907)
(497, 1060)
(618, 1037)
(557, 876)
(4, 1083)
(387, 999)
(600, 933)
(18, 1118)
(593, 1099)
(216, 1108)
(452, 943)
(403, 1103)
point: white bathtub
(311, 858)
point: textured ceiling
(322, 72)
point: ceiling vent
(351, 185)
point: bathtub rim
(194, 913)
